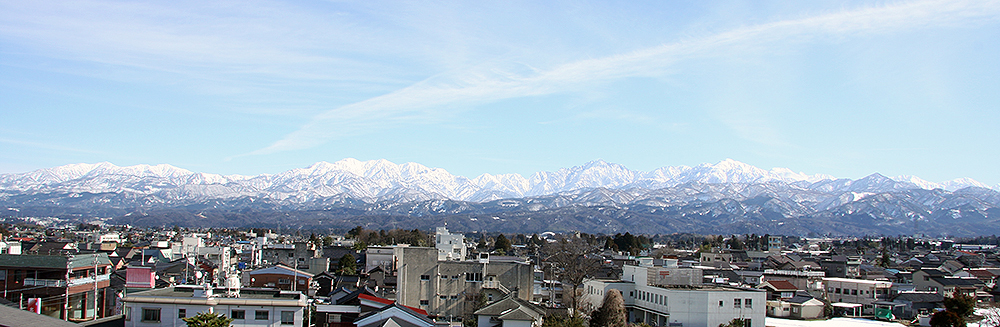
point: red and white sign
(34, 305)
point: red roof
(388, 301)
(782, 285)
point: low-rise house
(918, 303)
(800, 306)
(510, 311)
(394, 315)
(778, 289)
(857, 291)
(281, 277)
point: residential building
(394, 315)
(856, 291)
(71, 287)
(248, 307)
(450, 246)
(510, 311)
(655, 296)
(449, 288)
(281, 277)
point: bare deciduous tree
(572, 260)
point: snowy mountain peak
(377, 180)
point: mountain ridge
(370, 179)
(598, 196)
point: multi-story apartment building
(70, 287)
(662, 296)
(248, 307)
(300, 255)
(449, 288)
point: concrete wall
(450, 279)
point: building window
(748, 303)
(150, 314)
(128, 313)
(425, 302)
(737, 303)
(238, 314)
(333, 317)
(837, 291)
(854, 292)
(721, 303)
(181, 313)
(473, 277)
(288, 317)
(261, 315)
(284, 281)
(425, 277)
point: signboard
(34, 305)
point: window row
(153, 315)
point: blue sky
(835, 87)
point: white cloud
(444, 93)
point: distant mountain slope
(726, 197)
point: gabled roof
(520, 313)
(981, 273)
(283, 270)
(351, 296)
(372, 298)
(779, 285)
(802, 300)
(400, 315)
(508, 305)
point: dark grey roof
(956, 281)
(799, 299)
(14, 317)
(53, 261)
(506, 304)
(917, 297)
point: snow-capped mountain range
(379, 180)
(597, 197)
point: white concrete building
(652, 297)
(248, 307)
(450, 246)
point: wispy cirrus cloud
(449, 92)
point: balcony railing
(44, 282)
(88, 280)
(495, 285)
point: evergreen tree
(947, 319)
(347, 265)
(962, 305)
(205, 319)
(502, 244)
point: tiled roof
(781, 285)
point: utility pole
(95, 288)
